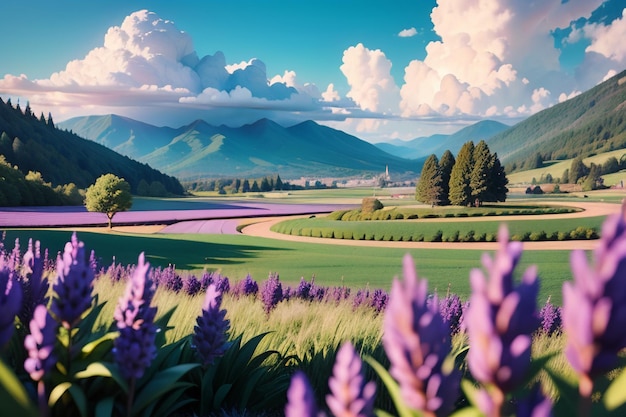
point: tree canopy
(109, 195)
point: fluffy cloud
(147, 61)
(493, 56)
(407, 33)
(608, 41)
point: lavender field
(450, 357)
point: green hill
(590, 123)
(35, 144)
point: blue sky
(378, 70)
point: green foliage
(429, 188)
(109, 195)
(460, 190)
(370, 204)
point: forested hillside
(34, 144)
(590, 123)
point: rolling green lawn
(237, 255)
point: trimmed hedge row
(425, 213)
(298, 227)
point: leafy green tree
(481, 170)
(446, 163)
(577, 170)
(429, 188)
(565, 176)
(460, 191)
(610, 165)
(109, 195)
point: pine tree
(429, 188)
(50, 122)
(497, 181)
(446, 163)
(479, 177)
(278, 183)
(245, 187)
(255, 187)
(460, 191)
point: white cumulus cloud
(407, 33)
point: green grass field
(237, 255)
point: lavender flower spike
(501, 318)
(74, 284)
(134, 348)
(10, 302)
(211, 327)
(300, 398)
(40, 343)
(349, 396)
(417, 341)
(594, 305)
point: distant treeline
(34, 144)
(248, 185)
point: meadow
(236, 256)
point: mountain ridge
(201, 150)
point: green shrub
(412, 216)
(347, 234)
(370, 204)
(469, 236)
(481, 237)
(436, 237)
(417, 237)
(337, 215)
(537, 236)
(305, 231)
(327, 233)
(398, 216)
(491, 237)
(452, 237)
(563, 236)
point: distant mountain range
(437, 144)
(200, 150)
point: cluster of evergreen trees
(238, 185)
(474, 177)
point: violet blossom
(40, 343)
(10, 301)
(74, 284)
(349, 395)
(134, 348)
(300, 397)
(210, 332)
(501, 319)
(34, 284)
(594, 304)
(417, 341)
(271, 293)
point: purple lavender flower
(417, 341)
(74, 284)
(501, 319)
(451, 309)
(271, 293)
(192, 285)
(245, 287)
(134, 348)
(40, 343)
(34, 284)
(300, 398)
(222, 284)
(360, 298)
(210, 332)
(206, 280)
(594, 305)
(303, 291)
(349, 395)
(379, 300)
(550, 316)
(10, 302)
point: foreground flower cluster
(59, 359)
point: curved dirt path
(261, 228)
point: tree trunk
(110, 217)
